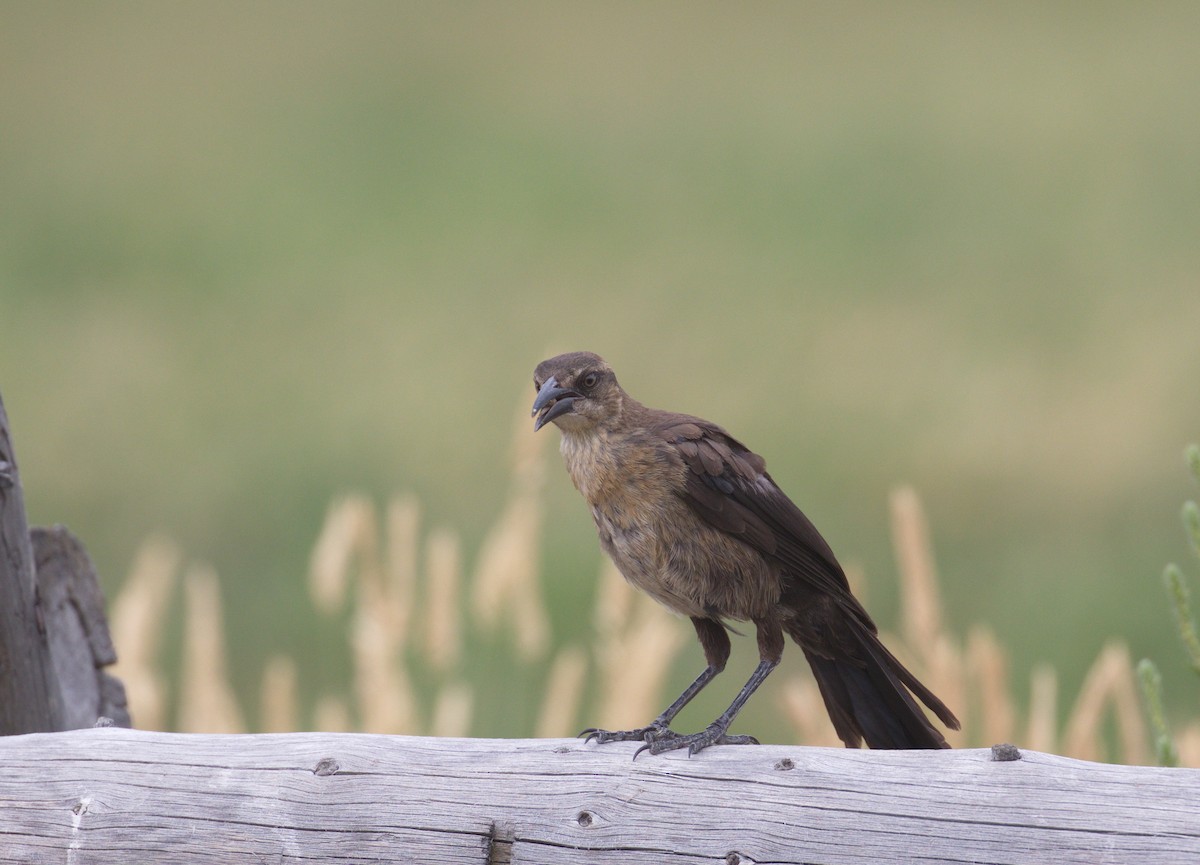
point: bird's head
(576, 391)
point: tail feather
(868, 697)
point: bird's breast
(633, 487)
(620, 472)
(629, 486)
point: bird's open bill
(552, 401)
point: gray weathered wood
(72, 606)
(92, 797)
(29, 699)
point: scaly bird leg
(714, 733)
(660, 726)
(715, 642)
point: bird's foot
(713, 734)
(652, 732)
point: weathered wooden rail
(110, 796)
(92, 797)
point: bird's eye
(589, 380)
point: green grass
(253, 257)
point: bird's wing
(728, 486)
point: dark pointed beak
(552, 401)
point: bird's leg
(660, 726)
(714, 733)
(770, 647)
(716, 649)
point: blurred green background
(254, 255)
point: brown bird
(689, 515)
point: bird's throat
(590, 462)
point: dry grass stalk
(506, 582)
(347, 552)
(611, 612)
(403, 542)
(331, 715)
(920, 598)
(1111, 679)
(633, 661)
(502, 553)
(530, 620)
(207, 703)
(946, 675)
(1043, 709)
(631, 689)
(138, 614)
(987, 666)
(805, 710)
(1188, 743)
(381, 685)
(505, 586)
(280, 713)
(442, 632)
(529, 466)
(452, 711)
(614, 600)
(385, 595)
(349, 532)
(559, 713)
(939, 660)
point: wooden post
(29, 697)
(54, 639)
(80, 643)
(112, 797)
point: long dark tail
(868, 696)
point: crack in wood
(625, 848)
(498, 848)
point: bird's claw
(694, 742)
(658, 738)
(650, 733)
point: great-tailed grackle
(690, 515)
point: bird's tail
(868, 696)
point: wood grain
(88, 797)
(72, 607)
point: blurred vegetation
(1180, 595)
(440, 648)
(254, 256)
